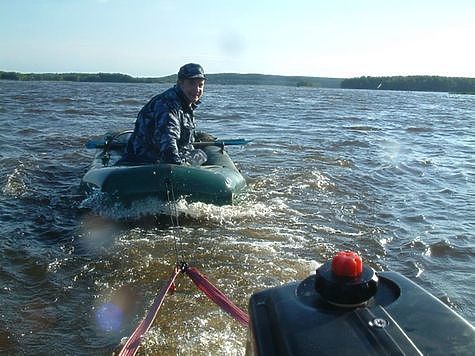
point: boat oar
(231, 142)
(220, 143)
(101, 143)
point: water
(388, 174)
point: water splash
(17, 182)
(100, 204)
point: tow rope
(217, 296)
(132, 345)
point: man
(164, 130)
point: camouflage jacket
(164, 129)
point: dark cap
(191, 70)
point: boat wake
(102, 205)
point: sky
(320, 38)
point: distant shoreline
(223, 78)
(402, 83)
(413, 83)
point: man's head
(191, 79)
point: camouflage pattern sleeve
(167, 133)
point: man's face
(193, 88)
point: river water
(388, 174)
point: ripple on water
(447, 249)
(17, 182)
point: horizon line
(236, 73)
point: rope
(133, 343)
(217, 296)
(174, 220)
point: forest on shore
(404, 83)
(224, 78)
(413, 83)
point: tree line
(412, 83)
(224, 78)
(80, 77)
(405, 83)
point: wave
(419, 129)
(130, 102)
(17, 182)
(445, 248)
(80, 112)
(65, 100)
(363, 128)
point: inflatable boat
(217, 181)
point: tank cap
(345, 281)
(347, 264)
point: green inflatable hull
(217, 181)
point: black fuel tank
(400, 318)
